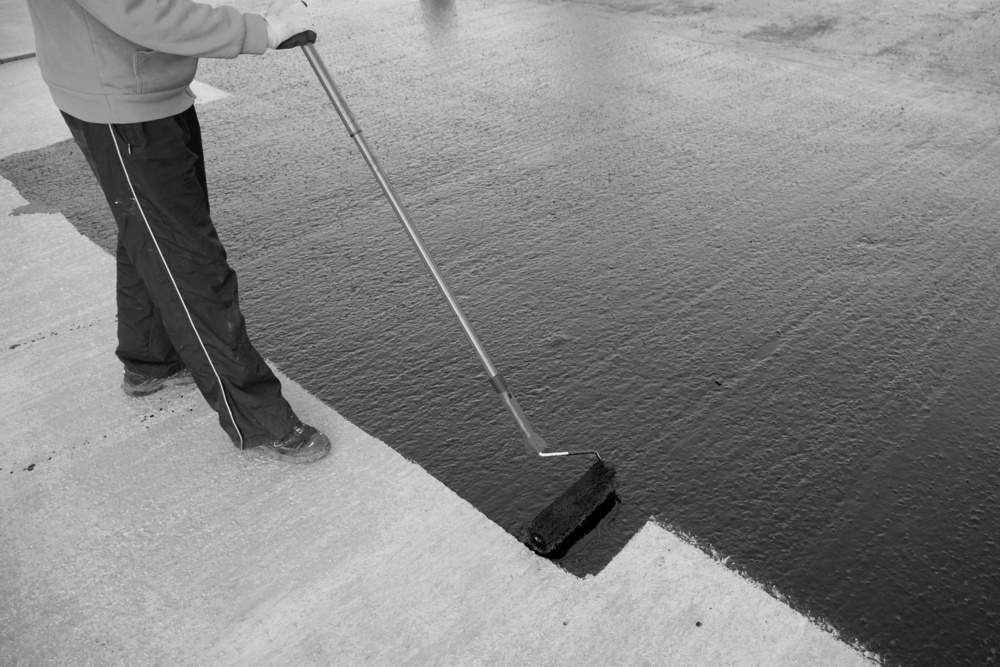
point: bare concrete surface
(134, 533)
(16, 38)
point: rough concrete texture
(133, 533)
(16, 38)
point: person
(119, 71)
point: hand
(284, 19)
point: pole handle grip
(300, 39)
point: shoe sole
(319, 447)
(172, 381)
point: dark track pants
(177, 295)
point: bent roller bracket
(533, 442)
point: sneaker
(138, 384)
(303, 444)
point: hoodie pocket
(131, 136)
(156, 72)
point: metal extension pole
(355, 132)
(533, 442)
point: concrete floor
(16, 38)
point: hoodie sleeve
(182, 27)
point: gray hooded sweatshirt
(129, 61)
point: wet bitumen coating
(748, 252)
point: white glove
(284, 19)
